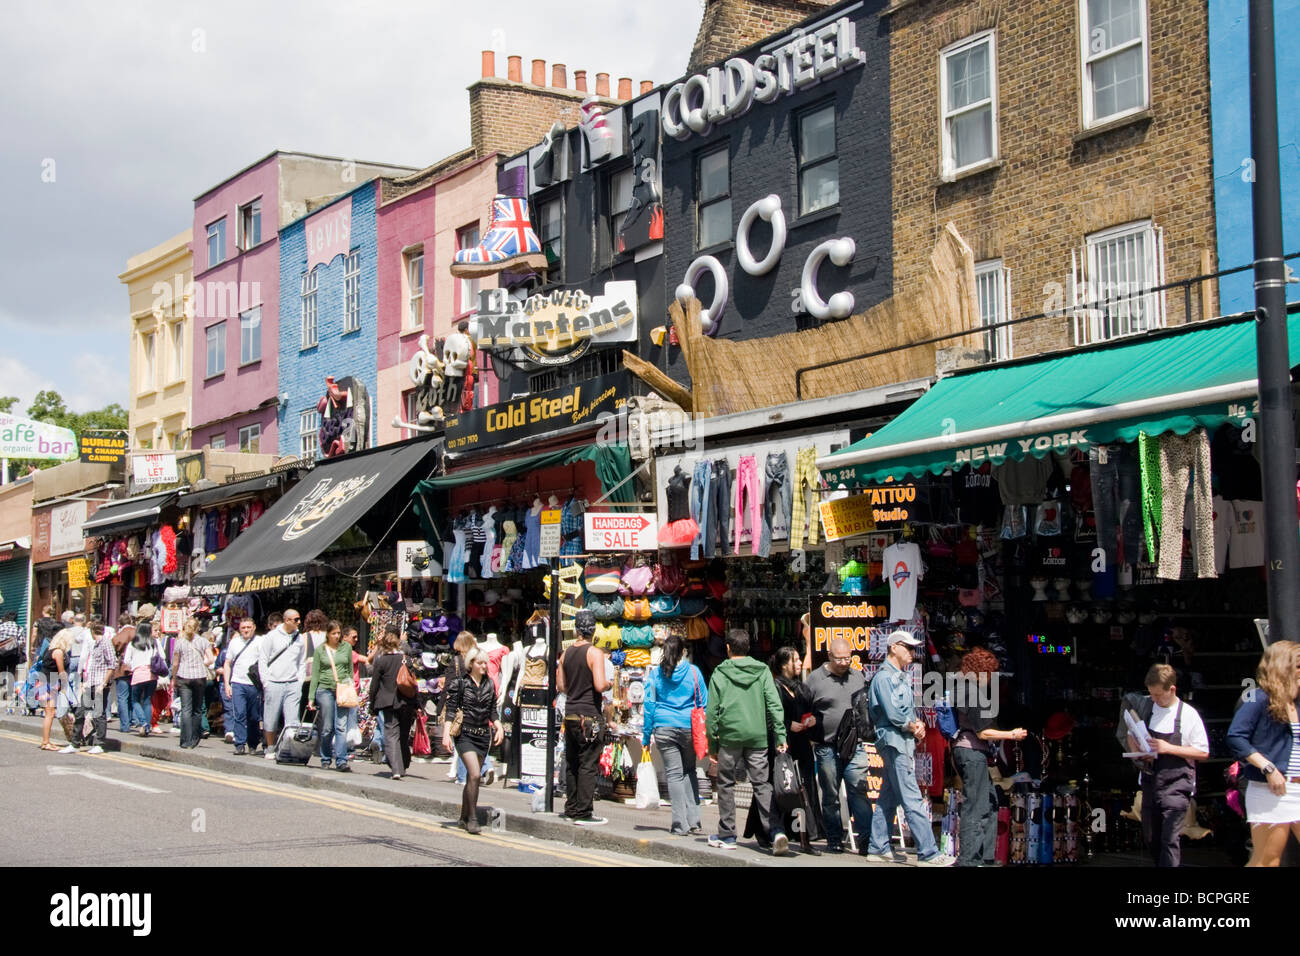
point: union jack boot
(600, 138)
(510, 243)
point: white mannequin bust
(537, 506)
(553, 502)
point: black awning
(129, 514)
(230, 491)
(278, 550)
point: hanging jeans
(1185, 459)
(805, 475)
(1116, 501)
(701, 499)
(718, 532)
(776, 494)
(747, 483)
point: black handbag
(254, 674)
(787, 788)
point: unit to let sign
(548, 545)
(616, 532)
(155, 469)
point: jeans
(830, 771)
(245, 714)
(899, 789)
(333, 728)
(718, 532)
(755, 761)
(1117, 501)
(777, 493)
(142, 703)
(192, 691)
(978, 828)
(701, 495)
(678, 752)
(95, 702)
(747, 483)
(124, 716)
(581, 761)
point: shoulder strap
(696, 675)
(292, 641)
(1178, 718)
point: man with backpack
(893, 714)
(832, 687)
(281, 657)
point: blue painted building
(328, 309)
(1230, 122)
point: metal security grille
(1110, 283)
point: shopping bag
(420, 746)
(647, 783)
(786, 785)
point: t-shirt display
(1246, 540)
(902, 568)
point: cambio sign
(726, 92)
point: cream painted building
(159, 284)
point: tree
(48, 406)
(7, 402)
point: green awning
(1174, 381)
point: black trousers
(581, 762)
(1163, 818)
(397, 737)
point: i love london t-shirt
(1246, 544)
(902, 568)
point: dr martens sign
(536, 415)
(556, 328)
(726, 92)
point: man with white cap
(893, 712)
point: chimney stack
(624, 87)
(647, 86)
(559, 80)
(580, 80)
(602, 85)
(539, 72)
(515, 69)
(489, 64)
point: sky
(116, 115)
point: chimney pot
(602, 84)
(539, 72)
(515, 69)
(647, 86)
(624, 87)
(580, 80)
(559, 79)
(489, 64)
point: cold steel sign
(535, 415)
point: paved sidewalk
(426, 789)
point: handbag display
(668, 578)
(637, 609)
(637, 581)
(345, 692)
(697, 629)
(602, 577)
(638, 636)
(608, 637)
(699, 736)
(637, 657)
(663, 605)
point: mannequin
(533, 528)
(511, 667)
(495, 652)
(534, 654)
(553, 502)
(489, 526)
(537, 505)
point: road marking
(509, 843)
(74, 771)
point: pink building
(422, 220)
(236, 295)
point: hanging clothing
(1023, 482)
(902, 568)
(747, 484)
(1149, 464)
(456, 563)
(777, 496)
(1185, 459)
(806, 476)
(532, 540)
(1246, 541)
(700, 493)
(512, 548)
(571, 526)
(489, 527)
(681, 528)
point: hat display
(146, 612)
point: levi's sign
(617, 532)
(726, 92)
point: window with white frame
(352, 292)
(178, 350)
(250, 439)
(309, 433)
(968, 88)
(621, 184)
(248, 226)
(819, 166)
(216, 335)
(411, 408)
(1114, 50)
(466, 289)
(308, 309)
(250, 336)
(1112, 282)
(149, 346)
(413, 270)
(993, 292)
(713, 198)
(216, 242)
(217, 442)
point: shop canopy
(1195, 376)
(129, 514)
(231, 491)
(279, 548)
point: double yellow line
(508, 843)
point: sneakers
(591, 821)
(488, 777)
(780, 845)
(881, 858)
(240, 751)
(230, 738)
(396, 776)
(97, 749)
(722, 843)
(69, 749)
(344, 767)
(510, 243)
(939, 859)
(270, 755)
(695, 831)
(175, 731)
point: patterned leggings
(1184, 459)
(805, 473)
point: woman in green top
(332, 666)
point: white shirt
(1192, 730)
(310, 641)
(1246, 544)
(289, 665)
(239, 668)
(903, 570)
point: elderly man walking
(832, 687)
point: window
(174, 440)
(178, 351)
(713, 199)
(411, 412)
(466, 289)
(968, 87)
(309, 280)
(993, 290)
(149, 343)
(620, 202)
(352, 292)
(216, 242)
(1118, 267)
(250, 438)
(216, 349)
(550, 231)
(1114, 58)
(592, 365)
(414, 271)
(250, 336)
(308, 433)
(249, 226)
(217, 442)
(819, 168)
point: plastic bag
(420, 746)
(647, 783)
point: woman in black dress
(474, 699)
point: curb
(521, 818)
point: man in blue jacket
(897, 730)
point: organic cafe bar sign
(535, 415)
(24, 438)
(558, 327)
(725, 92)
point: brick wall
(508, 117)
(1054, 185)
(730, 25)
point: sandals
(50, 747)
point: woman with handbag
(464, 643)
(394, 708)
(333, 693)
(673, 690)
(472, 706)
(139, 660)
(191, 656)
